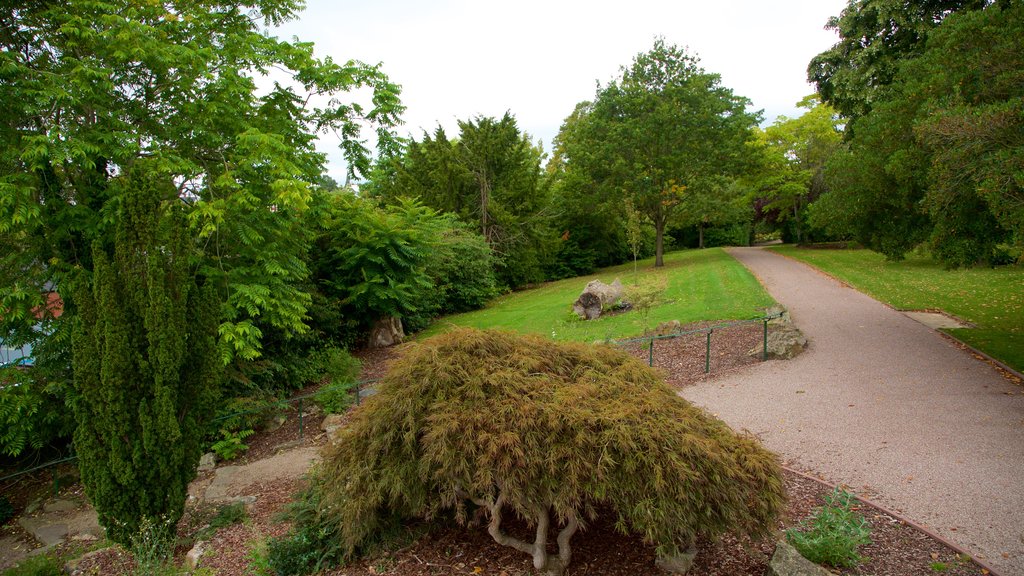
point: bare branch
(494, 529)
(564, 535)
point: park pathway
(888, 407)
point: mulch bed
(897, 548)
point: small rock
(85, 537)
(274, 422)
(208, 462)
(678, 564)
(332, 422)
(788, 562)
(311, 410)
(195, 554)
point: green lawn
(700, 285)
(992, 299)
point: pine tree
(146, 365)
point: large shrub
(551, 432)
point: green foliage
(374, 258)
(645, 295)
(340, 372)
(874, 37)
(792, 172)
(41, 565)
(88, 89)
(151, 547)
(523, 424)
(937, 154)
(31, 411)
(833, 534)
(990, 299)
(667, 135)
(313, 544)
(230, 446)
(246, 412)
(490, 178)
(147, 371)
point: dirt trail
(888, 406)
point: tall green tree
(89, 89)
(938, 158)
(146, 364)
(793, 171)
(491, 177)
(665, 134)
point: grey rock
(784, 343)
(678, 564)
(45, 531)
(788, 562)
(60, 505)
(193, 556)
(598, 296)
(386, 332)
(208, 462)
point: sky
(459, 59)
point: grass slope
(700, 285)
(992, 299)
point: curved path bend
(888, 407)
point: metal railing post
(300, 418)
(650, 354)
(764, 349)
(707, 354)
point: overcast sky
(456, 59)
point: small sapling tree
(550, 432)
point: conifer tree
(146, 365)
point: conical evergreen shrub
(146, 366)
(552, 432)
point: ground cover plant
(990, 298)
(490, 424)
(833, 534)
(700, 284)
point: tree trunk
(550, 565)
(386, 332)
(700, 234)
(659, 242)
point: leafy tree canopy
(90, 89)
(874, 37)
(666, 134)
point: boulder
(386, 332)
(597, 296)
(788, 562)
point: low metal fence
(708, 330)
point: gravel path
(889, 407)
